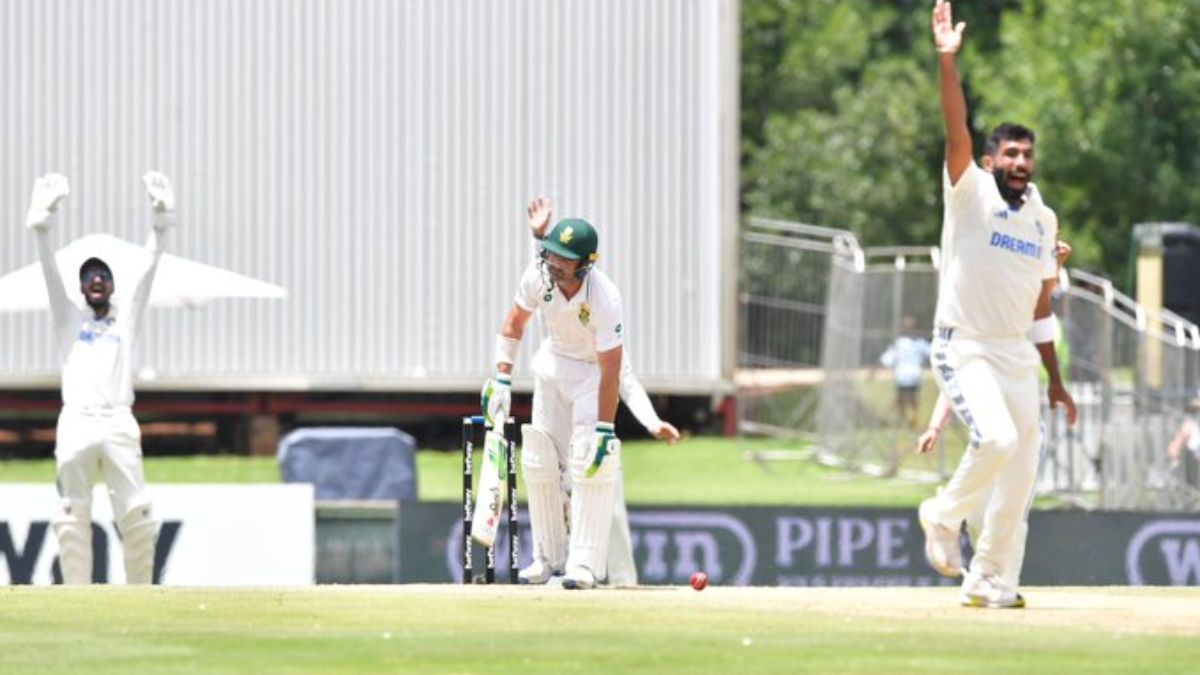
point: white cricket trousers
(993, 387)
(90, 441)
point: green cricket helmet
(574, 239)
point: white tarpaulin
(212, 535)
(178, 283)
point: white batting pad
(73, 527)
(139, 532)
(547, 502)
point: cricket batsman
(994, 293)
(577, 379)
(622, 569)
(96, 428)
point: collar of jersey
(90, 314)
(579, 297)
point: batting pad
(547, 500)
(139, 532)
(592, 505)
(622, 570)
(73, 527)
(493, 485)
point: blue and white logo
(1021, 247)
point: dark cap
(91, 263)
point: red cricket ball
(699, 581)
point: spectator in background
(1188, 436)
(907, 356)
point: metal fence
(1135, 375)
(786, 270)
(817, 312)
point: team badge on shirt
(585, 314)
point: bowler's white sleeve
(963, 195)
(1193, 441)
(637, 400)
(608, 324)
(61, 308)
(530, 288)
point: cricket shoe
(943, 549)
(537, 573)
(579, 579)
(986, 590)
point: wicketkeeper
(96, 429)
(577, 379)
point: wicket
(473, 431)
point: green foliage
(1115, 98)
(842, 124)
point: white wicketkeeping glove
(497, 400)
(48, 193)
(158, 188)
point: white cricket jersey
(96, 354)
(587, 324)
(994, 257)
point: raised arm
(162, 202)
(48, 192)
(948, 36)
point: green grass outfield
(701, 471)
(501, 629)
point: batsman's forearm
(1049, 360)
(610, 396)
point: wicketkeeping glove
(48, 192)
(605, 442)
(158, 188)
(496, 399)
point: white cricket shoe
(537, 573)
(986, 590)
(942, 546)
(579, 579)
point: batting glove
(158, 188)
(496, 399)
(605, 443)
(48, 193)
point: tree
(1114, 94)
(841, 125)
